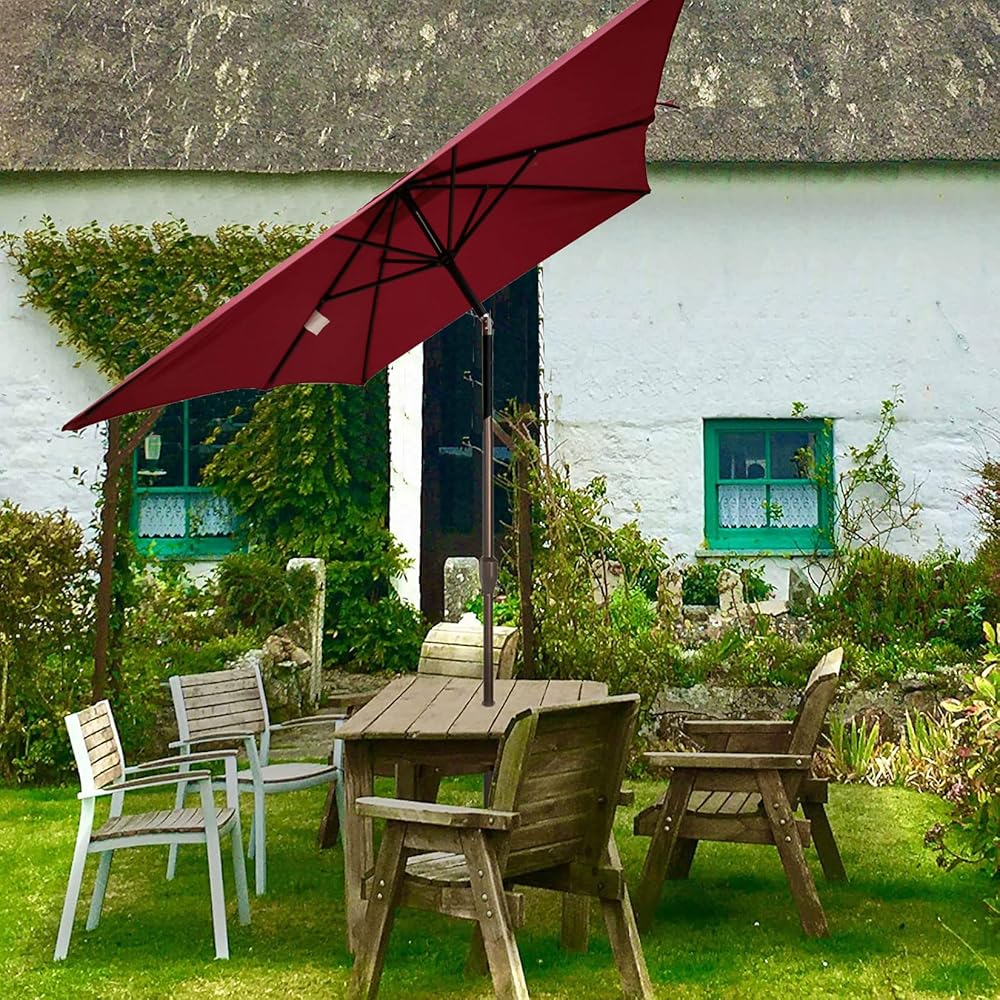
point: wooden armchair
(746, 789)
(101, 765)
(549, 824)
(229, 707)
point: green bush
(254, 591)
(46, 635)
(506, 608)
(881, 598)
(701, 580)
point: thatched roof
(290, 85)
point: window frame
(186, 546)
(768, 539)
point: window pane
(794, 506)
(793, 454)
(209, 517)
(741, 456)
(168, 468)
(742, 506)
(162, 515)
(218, 417)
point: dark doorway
(451, 485)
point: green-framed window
(174, 515)
(768, 485)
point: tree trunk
(109, 518)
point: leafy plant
(701, 580)
(852, 747)
(255, 591)
(972, 834)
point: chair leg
(329, 826)
(494, 920)
(75, 879)
(100, 887)
(240, 871)
(575, 923)
(475, 962)
(374, 938)
(793, 858)
(661, 845)
(680, 863)
(179, 797)
(623, 934)
(258, 844)
(826, 845)
(215, 883)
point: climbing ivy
(309, 471)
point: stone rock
(461, 585)
(313, 626)
(286, 668)
(670, 596)
(731, 602)
(606, 577)
(800, 592)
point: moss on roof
(290, 85)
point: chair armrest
(731, 761)
(230, 736)
(309, 720)
(148, 781)
(348, 701)
(188, 758)
(436, 814)
(732, 727)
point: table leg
(357, 834)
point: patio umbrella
(560, 155)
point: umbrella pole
(487, 563)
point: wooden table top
(431, 707)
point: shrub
(972, 834)
(881, 598)
(46, 634)
(701, 580)
(254, 591)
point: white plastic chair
(229, 706)
(101, 765)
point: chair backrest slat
(96, 747)
(561, 768)
(219, 701)
(816, 701)
(455, 649)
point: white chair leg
(172, 850)
(75, 879)
(258, 845)
(100, 887)
(215, 884)
(240, 872)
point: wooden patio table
(423, 728)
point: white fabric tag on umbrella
(316, 323)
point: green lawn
(900, 928)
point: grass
(901, 928)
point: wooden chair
(746, 789)
(101, 765)
(229, 706)
(549, 824)
(455, 649)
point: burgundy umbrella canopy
(560, 155)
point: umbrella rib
(471, 230)
(385, 281)
(451, 196)
(378, 288)
(544, 147)
(276, 371)
(468, 221)
(375, 245)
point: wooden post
(114, 459)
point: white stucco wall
(40, 388)
(733, 293)
(726, 292)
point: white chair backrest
(220, 701)
(97, 749)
